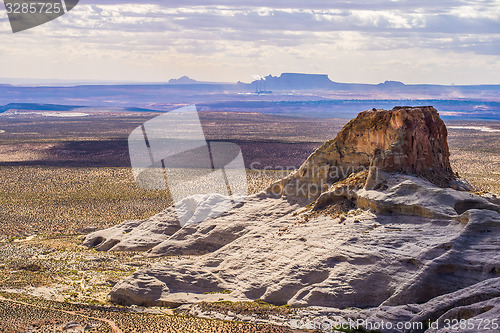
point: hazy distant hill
(297, 81)
(186, 80)
(290, 93)
(182, 80)
(391, 84)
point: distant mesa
(182, 80)
(321, 95)
(296, 81)
(392, 84)
(300, 81)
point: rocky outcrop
(392, 235)
(469, 307)
(410, 140)
(404, 248)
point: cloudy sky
(426, 41)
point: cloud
(296, 27)
(224, 32)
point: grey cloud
(306, 21)
(430, 25)
(427, 5)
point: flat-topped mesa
(409, 140)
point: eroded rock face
(408, 242)
(411, 140)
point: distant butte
(182, 80)
(411, 140)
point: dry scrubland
(60, 177)
(49, 197)
(49, 282)
(26, 314)
(61, 200)
(475, 155)
(64, 200)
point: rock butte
(404, 139)
(392, 235)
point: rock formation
(388, 234)
(411, 140)
(293, 81)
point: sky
(426, 41)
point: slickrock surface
(394, 238)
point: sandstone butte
(374, 225)
(404, 139)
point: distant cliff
(291, 81)
(183, 80)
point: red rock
(410, 140)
